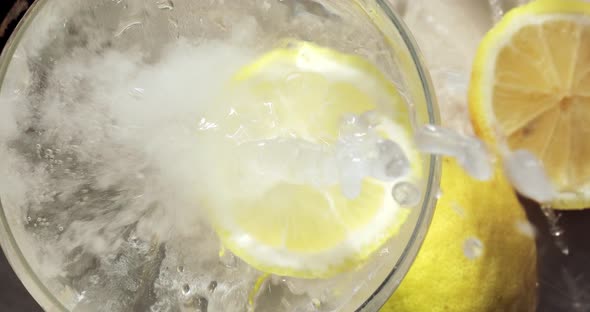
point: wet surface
(564, 279)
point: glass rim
(45, 298)
(401, 268)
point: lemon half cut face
(531, 90)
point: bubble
(439, 194)
(186, 289)
(180, 269)
(472, 248)
(200, 304)
(406, 194)
(392, 161)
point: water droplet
(526, 228)
(497, 11)
(60, 228)
(406, 194)
(472, 248)
(555, 228)
(392, 162)
(137, 92)
(397, 167)
(197, 304)
(212, 286)
(165, 4)
(186, 289)
(458, 209)
(180, 269)
(438, 194)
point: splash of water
(469, 152)
(526, 173)
(555, 229)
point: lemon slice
(530, 90)
(292, 229)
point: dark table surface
(564, 280)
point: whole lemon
(479, 254)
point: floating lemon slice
(302, 230)
(530, 90)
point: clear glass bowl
(33, 222)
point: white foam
(131, 125)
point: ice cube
(351, 177)
(527, 175)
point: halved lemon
(305, 230)
(530, 89)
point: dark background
(564, 280)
